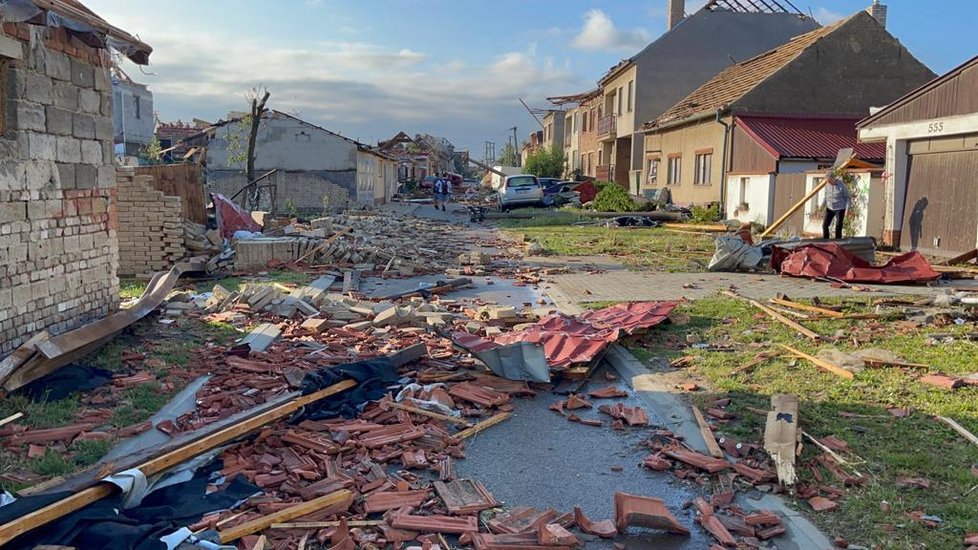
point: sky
(457, 69)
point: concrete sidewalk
(622, 285)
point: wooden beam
(777, 316)
(422, 412)
(959, 428)
(290, 513)
(707, 433)
(326, 524)
(324, 244)
(781, 436)
(791, 211)
(820, 363)
(491, 421)
(962, 258)
(11, 418)
(804, 307)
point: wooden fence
(182, 180)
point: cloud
(363, 90)
(600, 34)
(826, 16)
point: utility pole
(516, 150)
(490, 153)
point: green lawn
(855, 411)
(567, 234)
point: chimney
(677, 10)
(878, 11)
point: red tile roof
(808, 137)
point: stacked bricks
(150, 231)
(58, 242)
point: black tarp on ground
(374, 377)
(103, 525)
(64, 382)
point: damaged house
(836, 71)
(58, 246)
(310, 168)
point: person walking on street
(438, 189)
(837, 200)
(446, 191)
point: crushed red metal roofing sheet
(831, 260)
(572, 340)
(808, 137)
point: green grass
(41, 414)
(647, 248)
(131, 288)
(917, 446)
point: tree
(508, 157)
(546, 163)
(257, 110)
(152, 153)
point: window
(631, 85)
(139, 113)
(703, 167)
(577, 121)
(619, 101)
(593, 120)
(742, 195)
(590, 164)
(674, 170)
(653, 171)
(3, 94)
(600, 157)
(584, 123)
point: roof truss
(755, 6)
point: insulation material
(831, 260)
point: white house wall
(759, 195)
(287, 144)
(870, 222)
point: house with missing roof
(931, 143)
(693, 49)
(839, 71)
(59, 249)
(311, 168)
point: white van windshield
(522, 181)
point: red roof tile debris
(645, 512)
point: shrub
(613, 198)
(707, 214)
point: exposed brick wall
(150, 234)
(58, 247)
(303, 190)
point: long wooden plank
(959, 428)
(282, 516)
(962, 258)
(806, 307)
(777, 316)
(821, 363)
(491, 421)
(707, 433)
(324, 244)
(791, 211)
(37, 518)
(11, 418)
(429, 414)
(326, 524)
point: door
(940, 215)
(788, 190)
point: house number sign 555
(935, 127)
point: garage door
(940, 215)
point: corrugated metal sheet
(808, 138)
(831, 260)
(571, 340)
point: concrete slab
(501, 291)
(623, 285)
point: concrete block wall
(150, 233)
(58, 242)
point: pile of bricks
(150, 225)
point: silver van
(520, 190)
